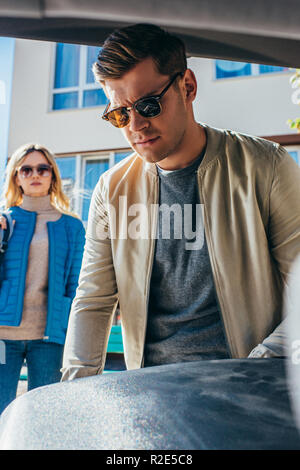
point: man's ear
(190, 85)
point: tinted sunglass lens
(148, 107)
(43, 170)
(26, 171)
(119, 117)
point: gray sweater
(184, 323)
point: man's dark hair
(126, 47)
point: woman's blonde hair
(13, 194)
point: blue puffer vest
(66, 242)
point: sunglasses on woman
(43, 170)
(147, 107)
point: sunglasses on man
(147, 107)
(43, 170)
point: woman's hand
(3, 223)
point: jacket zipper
(50, 257)
(151, 258)
(210, 251)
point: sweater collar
(36, 204)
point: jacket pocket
(66, 306)
(4, 291)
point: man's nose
(137, 122)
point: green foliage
(294, 123)
(295, 82)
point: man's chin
(149, 156)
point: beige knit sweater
(34, 314)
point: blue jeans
(43, 359)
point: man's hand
(261, 351)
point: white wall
(7, 47)
(258, 105)
(32, 120)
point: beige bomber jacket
(250, 191)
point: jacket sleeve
(284, 238)
(95, 301)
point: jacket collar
(214, 148)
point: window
(119, 156)
(295, 153)
(80, 174)
(73, 80)
(67, 168)
(92, 170)
(229, 69)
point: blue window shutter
(66, 65)
(294, 155)
(227, 68)
(94, 98)
(67, 167)
(120, 155)
(92, 54)
(65, 100)
(271, 68)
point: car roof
(260, 31)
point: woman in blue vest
(39, 271)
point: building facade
(56, 102)
(7, 48)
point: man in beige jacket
(193, 235)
